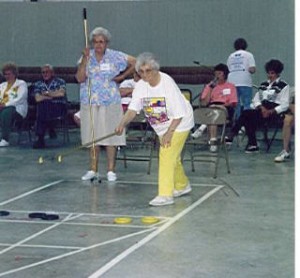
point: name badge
(226, 92)
(105, 67)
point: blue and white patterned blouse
(104, 90)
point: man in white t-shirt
(241, 65)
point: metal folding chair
(199, 148)
(140, 142)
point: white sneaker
(4, 143)
(186, 190)
(213, 146)
(242, 131)
(283, 156)
(197, 133)
(161, 201)
(89, 175)
(111, 176)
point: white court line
(154, 183)
(141, 226)
(96, 214)
(29, 192)
(155, 233)
(134, 247)
(44, 246)
(69, 217)
(74, 252)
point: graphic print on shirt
(237, 63)
(9, 92)
(155, 110)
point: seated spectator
(220, 93)
(126, 89)
(13, 101)
(288, 124)
(51, 99)
(76, 118)
(269, 103)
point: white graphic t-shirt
(238, 64)
(161, 104)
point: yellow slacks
(171, 174)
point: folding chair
(266, 131)
(140, 142)
(187, 94)
(60, 122)
(199, 148)
(23, 125)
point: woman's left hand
(166, 139)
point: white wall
(179, 32)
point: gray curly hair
(147, 58)
(100, 31)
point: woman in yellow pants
(171, 116)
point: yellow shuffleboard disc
(41, 160)
(122, 220)
(149, 220)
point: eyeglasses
(6, 73)
(146, 71)
(99, 41)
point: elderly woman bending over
(171, 116)
(99, 73)
(13, 101)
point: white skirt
(105, 120)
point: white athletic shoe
(213, 145)
(242, 131)
(184, 191)
(197, 133)
(161, 201)
(89, 175)
(111, 176)
(283, 156)
(4, 143)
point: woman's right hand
(119, 130)
(86, 53)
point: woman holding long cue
(99, 73)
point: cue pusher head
(85, 28)
(84, 13)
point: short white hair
(48, 66)
(100, 31)
(147, 58)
